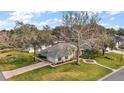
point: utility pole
(121, 56)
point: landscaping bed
(89, 61)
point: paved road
(2, 78)
(9, 74)
(117, 76)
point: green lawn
(111, 63)
(13, 59)
(70, 71)
(74, 72)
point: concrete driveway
(11, 73)
(115, 76)
(2, 78)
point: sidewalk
(9, 74)
(106, 67)
(116, 51)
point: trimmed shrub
(91, 54)
(96, 52)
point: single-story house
(118, 40)
(58, 53)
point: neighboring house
(45, 47)
(108, 49)
(118, 40)
(31, 49)
(56, 41)
(59, 53)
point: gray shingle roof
(59, 50)
(119, 38)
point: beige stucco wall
(63, 58)
(51, 59)
(55, 60)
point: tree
(75, 22)
(45, 37)
(4, 37)
(20, 35)
(39, 38)
(27, 35)
(59, 32)
(34, 41)
(120, 32)
(104, 41)
(24, 35)
(112, 43)
(111, 31)
(100, 38)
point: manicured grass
(70, 71)
(111, 63)
(13, 59)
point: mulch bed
(89, 61)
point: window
(59, 59)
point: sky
(109, 19)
